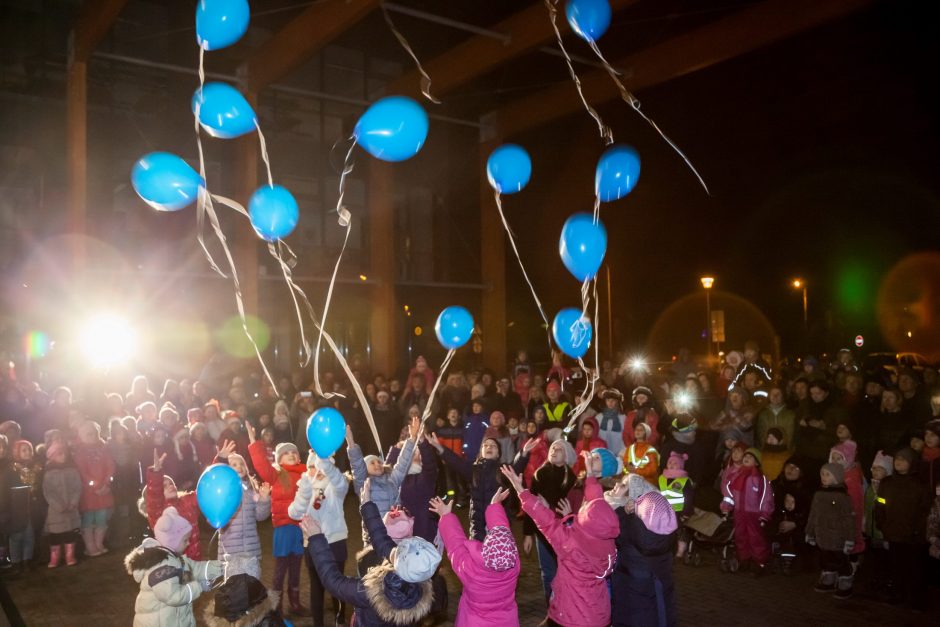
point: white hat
(416, 559)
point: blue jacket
(380, 598)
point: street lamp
(801, 284)
(707, 283)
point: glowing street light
(707, 283)
(107, 340)
(800, 284)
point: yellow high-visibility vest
(672, 490)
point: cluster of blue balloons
(326, 431)
(453, 327)
(219, 494)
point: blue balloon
(219, 494)
(582, 245)
(453, 327)
(509, 168)
(572, 332)
(589, 19)
(326, 431)
(220, 23)
(273, 212)
(617, 172)
(392, 129)
(165, 182)
(223, 111)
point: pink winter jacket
(749, 494)
(96, 466)
(586, 552)
(489, 597)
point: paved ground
(98, 592)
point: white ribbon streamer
(440, 377)
(425, 79)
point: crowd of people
(815, 464)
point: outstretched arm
(381, 542)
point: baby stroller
(712, 533)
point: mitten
(848, 546)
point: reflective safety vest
(672, 490)
(555, 415)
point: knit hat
(883, 461)
(753, 452)
(194, 415)
(637, 486)
(499, 549)
(934, 427)
(612, 393)
(416, 559)
(642, 389)
(847, 450)
(656, 513)
(553, 385)
(571, 457)
(399, 524)
(646, 428)
(611, 465)
(171, 528)
(16, 447)
(498, 413)
(836, 470)
(675, 465)
(282, 449)
(368, 459)
(197, 425)
(908, 454)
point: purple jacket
(488, 596)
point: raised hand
(309, 526)
(366, 495)
(588, 463)
(264, 491)
(349, 436)
(564, 507)
(530, 444)
(439, 507)
(513, 478)
(500, 496)
(158, 461)
(413, 428)
(228, 447)
(432, 439)
(250, 429)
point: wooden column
(492, 322)
(76, 141)
(245, 250)
(384, 306)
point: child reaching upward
(160, 493)
(488, 570)
(587, 553)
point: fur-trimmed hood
(255, 615)
(375, 589)
(145, 557)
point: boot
(70, 554)
(55, 553)
(88, 537)
(844, 588)
(99, 534)
(827, 582)
(294, 606)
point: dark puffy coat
(901, 508)
(243, 598)
(380, 598)
(644, 570)
(831, 519)
(553, 484)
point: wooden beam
(301, 38)
(740, 33)
(94, 21)
(527, 30)
(383, 268)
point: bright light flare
(707, 282)
(683, 400)
(637, 364)
(107, 340)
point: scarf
(610, 420)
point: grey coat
(62, 489)
(385, 489)
(241, 534)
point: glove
(847, 548)
(810, 540)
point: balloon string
(440, 377)
(631, 100)
(262, 145)
(606, 133)
(512, 240)
(297, 292)
(591, 377)
(202, 199)
(425, 79)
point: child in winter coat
(587, 442)
(642, 586)
(788, 531)
(418, 486)
(396, 592)
(97, 468)
(488, 570)
(586, 552)
(640, 457)
(62, 489)
(182, 463)
(288, 539)
(677, 487)
(881, 467)
(643, 411)
(160, 493)
(538, 453)
(451, 436)
(320, 495)
(611, 420)
(901, 514)
(385, 480)
(844, 454)
(169, 581)
(751, 497)
(238, 540)
(552, 481)
(831, 527)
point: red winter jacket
(281, 497)
(186, 505)
(96, 466)
(748, 491)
